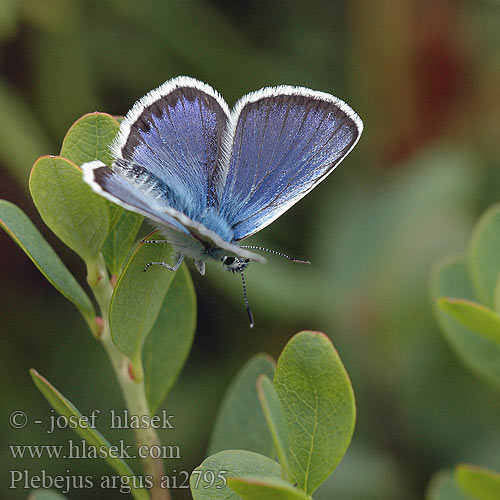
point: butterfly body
(209, 177)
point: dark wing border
(153, 97)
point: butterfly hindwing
(119, 190)
(283, 141)
(190, 237)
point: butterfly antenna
(245, 298)
(274, 252)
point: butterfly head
(234, 264)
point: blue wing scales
(210, 177)
(283, 142)
(175, 133)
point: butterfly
(208, 177)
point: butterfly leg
(164, 264)
(200, 265)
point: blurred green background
(425, 78)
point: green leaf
(169, 342)
(318, 403)
(449, 278)
(115, 214)
(240, 423)
(484, 256)
(137, 300)
(479, 483)
(275, 418)
(89, 138)
(474, 316)
(43, 494)
(268, 488)
(209, 480)
(120, 239)
(92, 437)
(77, 215)
(443, 486)
(26, 235)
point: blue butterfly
(209, 176)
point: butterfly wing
(189, 237)
(166, 163)
(119, 190)
(175, 133)
(283, 141)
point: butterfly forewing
(284, 141)
(174, 133)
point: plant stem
(133, 392)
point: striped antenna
(274, 252)
(247, 305)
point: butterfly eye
(228, 260)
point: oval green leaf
(268, 488)
(167, 347)
(209, 480)
(449, 278)
(484, 255)
(137, 300)
(474, 316)
(275, 418)
(318, 404)
(20, 228)
(69, 207)
(120, 239)
(240, 423)
(92, 437)
(478, 482)
(89, 138)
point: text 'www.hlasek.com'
(27, 478)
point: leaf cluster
(301, 412)
(282, 427)
(150, 317)
(465, 290)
